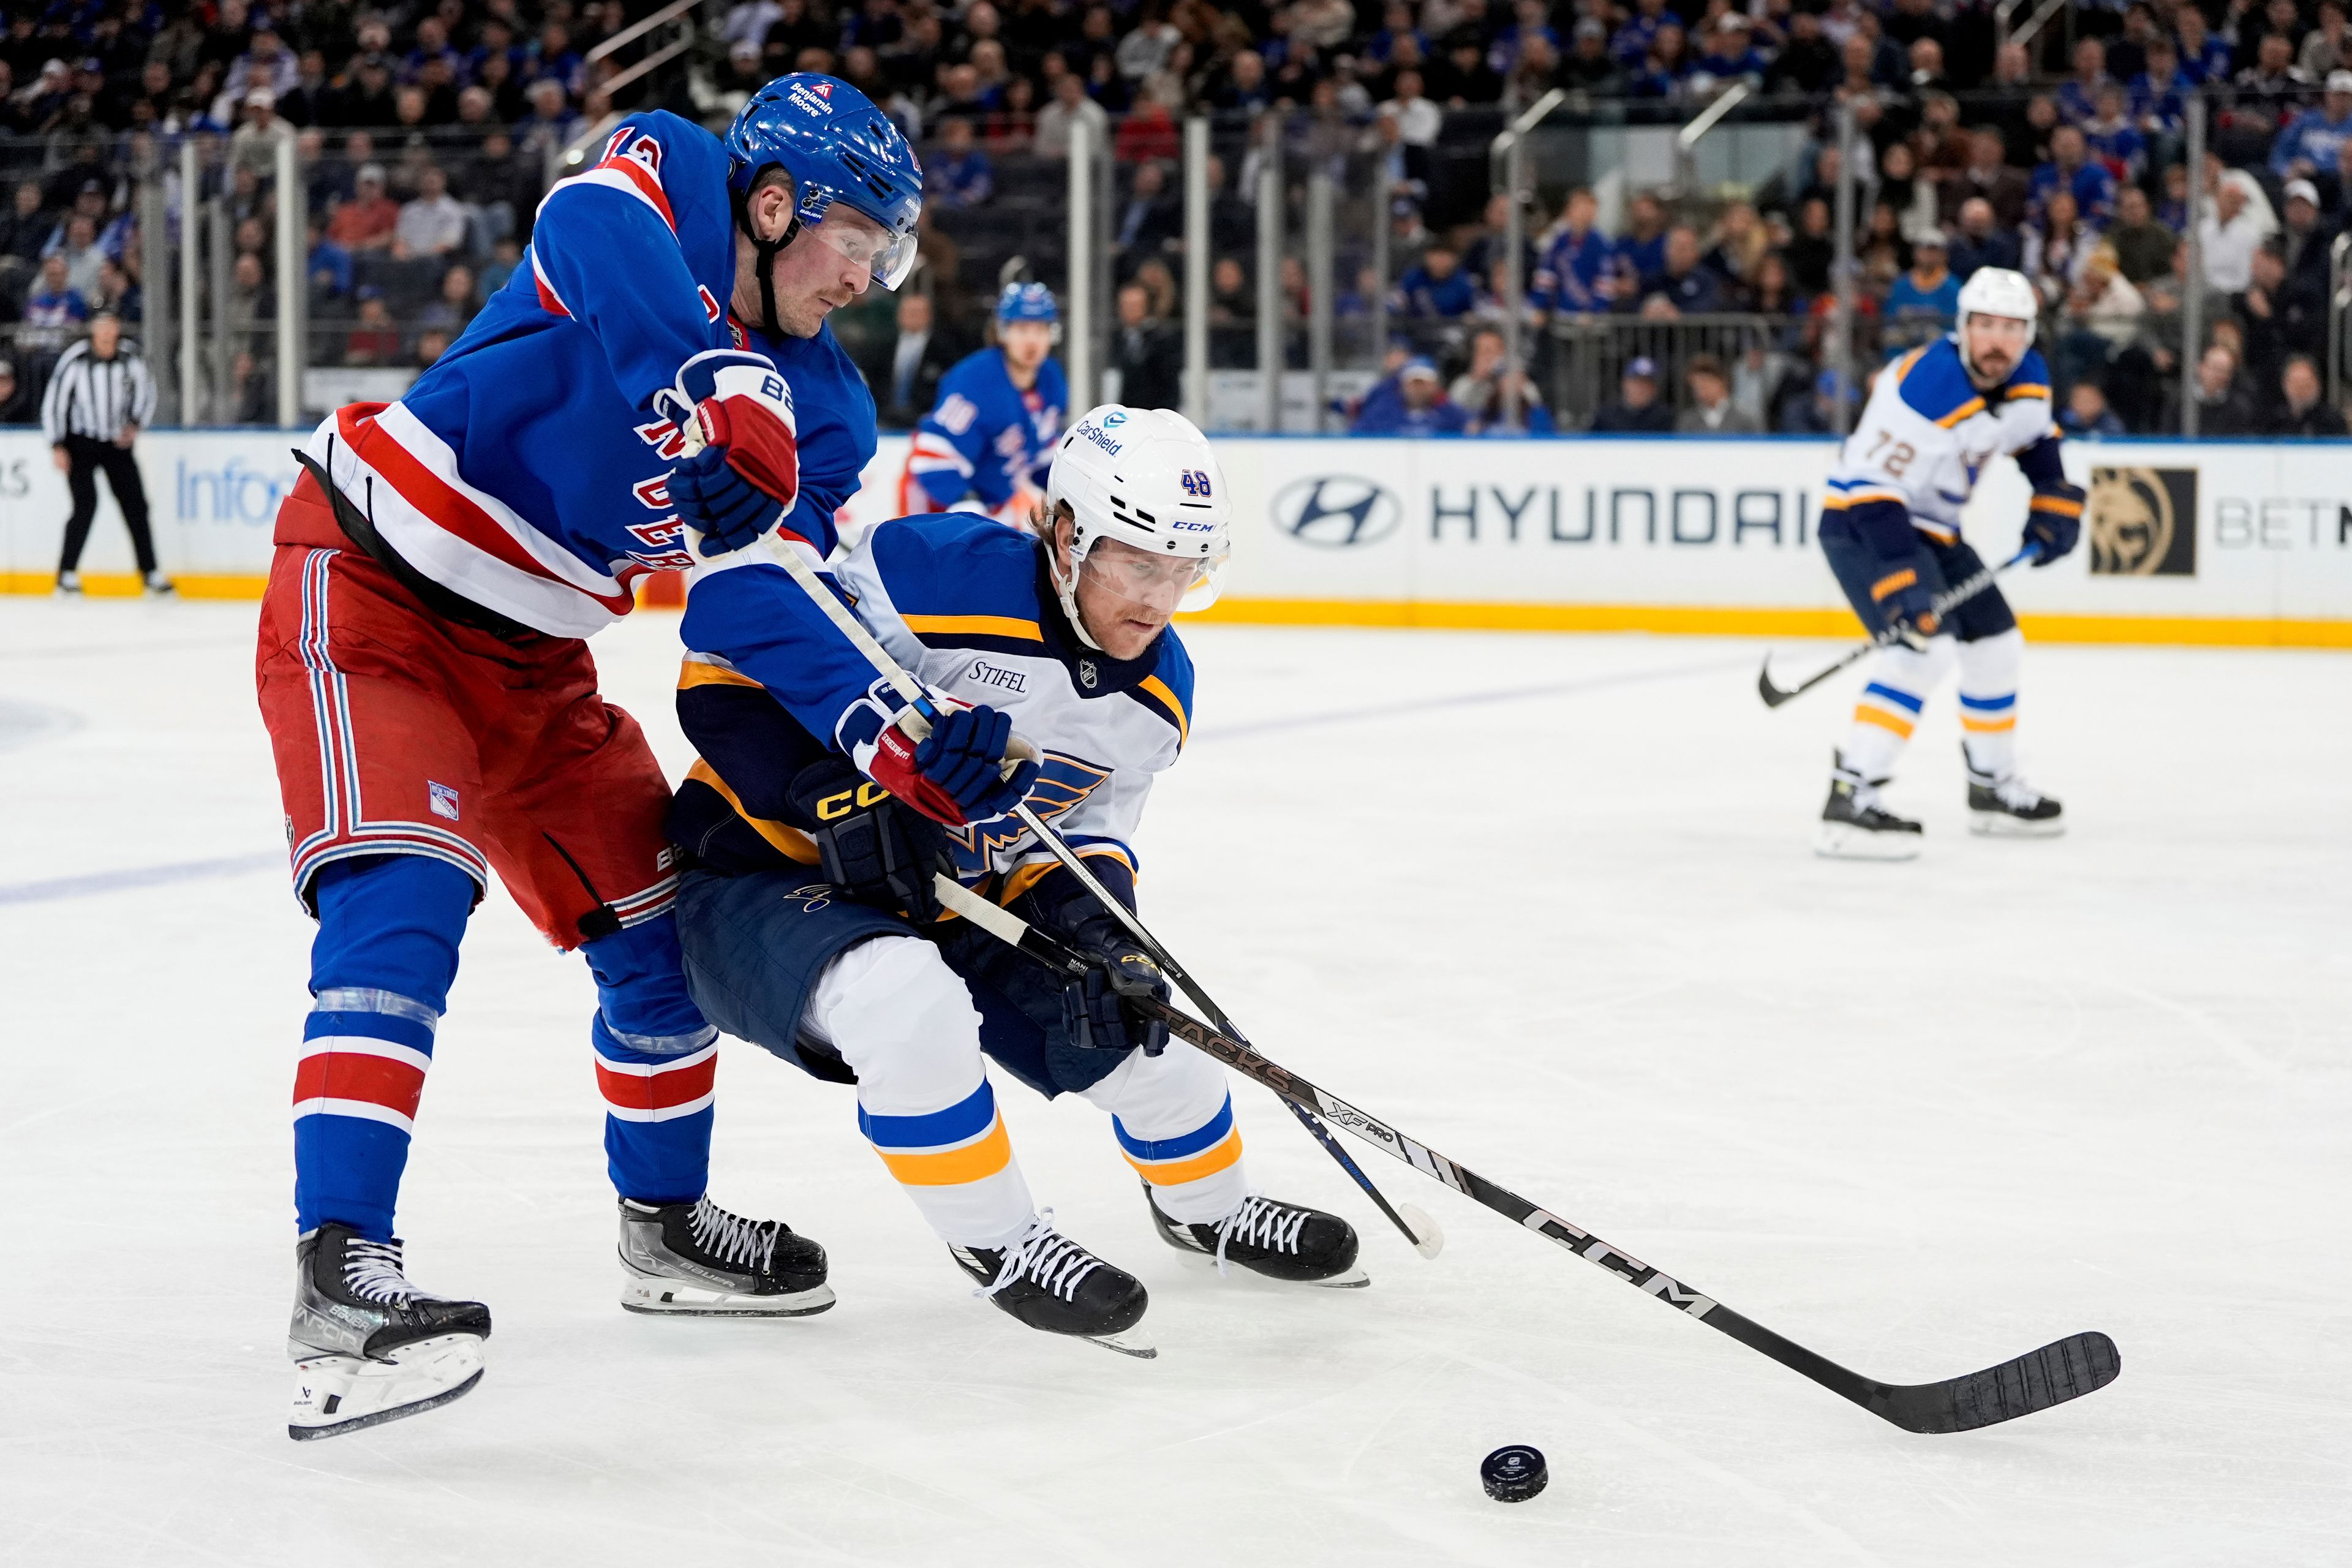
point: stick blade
(1773, 696)
(2067, 1369)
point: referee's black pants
(85, 456)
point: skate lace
(371, 1272)
(732, 1238)
(2015, 791)
(1261, 1222)
(1045, 1256)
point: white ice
(1546, 902)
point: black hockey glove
(1909, 606)
(873, 848)
(1095, 1005)
(2054, 521)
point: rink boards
(2222, 542)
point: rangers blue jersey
(987, 438)
(525, 470)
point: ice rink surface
(1546, 903)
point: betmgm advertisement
(2182, 543)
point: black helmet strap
(765, 251)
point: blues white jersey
(964, 606)
(524, 470)
(987, 439)
(1928, 430)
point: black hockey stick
(2067, 1369)
(1968, 588)
(1426, 1239)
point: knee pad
(1989, 666)
(903, 1021)
(389, 923)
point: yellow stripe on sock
(1882, 718)
(1988, 726)
(953, 1167)
(1207, 1163)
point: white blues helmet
(1146, 478)
(1997, 291)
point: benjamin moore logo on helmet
(1336, 511)
(818, 100)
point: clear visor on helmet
(884, 249)
(1161, 584)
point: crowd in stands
(427, 131)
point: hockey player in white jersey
(987, 444)
(1891, 527)
(806, 889)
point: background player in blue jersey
(435, 712)
(988, 443)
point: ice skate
(69, 585)
(1281, 1241)
(157, 586)
(1050, 1282)
(1855, 827)
(697, 1261)
(2011, 808)
(368, 1346)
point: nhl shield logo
(1088, 675)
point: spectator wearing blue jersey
(2314, 139)
(2204, 59)
(1728, 55)
(1438, 288)
(2072, 169)
(1630, 43)
(2078, 95)
(2112, 139)
(1638, 410)
(2159, 95)
(1420, 407)
(958, 175)
(1576, 275)
(1923, 302)
(2086, 414)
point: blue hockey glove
(1909, 606)
(2054, 521)
(746, 475)
(955, 775)
(873, 848)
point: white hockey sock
(905, 1024)
(1173, 1117)
(1901, 679)
(1988, 703)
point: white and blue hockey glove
(741, 472)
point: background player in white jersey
(987, 444)
(805, 892)
(1891, 527)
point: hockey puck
(1514, 1474)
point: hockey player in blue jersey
(987, 444)
(1891, 529)
(807, 915)
(435, 713)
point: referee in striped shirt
(99, 396)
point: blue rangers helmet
(838, 148)
(1027, 302)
